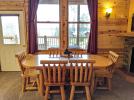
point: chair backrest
(20, 57)
(77, 52)
(81, 71)
(54, 52)
(54, 71)
(113, 56)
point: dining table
(33, 61)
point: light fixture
(108, 12)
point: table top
(34, 60)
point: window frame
(21, 25)
(78, 22)
(51, 22)
(63, 10)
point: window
(48, 24)
(10, 29)
(78, 24)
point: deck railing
(45, 42)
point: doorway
(12, 38)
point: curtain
(32, 26)
(132, 25)
(92, 40)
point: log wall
(116, 23)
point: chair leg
(62, 92)
(95, 84)
(46, 93)
(88, 95)
(109, 84)
(41, 86)
(23, 84)
(72, 92)
(92, 87)
(38, 84)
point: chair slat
(54, 74)
(71, 72)
(81, 73)
(45, 75)
(85, 75)
(49, 73)
(90, 71)
(63, 73)
(76, 73)
(59, 73)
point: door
(12, 38)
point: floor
(10, 87)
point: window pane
(48, 35)
(73, 12)
(10, 29)
(72, 35)
(84, 13)
(44, 13)
(78, 35)
(83, 35)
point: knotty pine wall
(117, 23)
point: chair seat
(103, 73)
(31, 73)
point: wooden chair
(55, 52)
(81, 72)
(77, 52)
(107, 73)
(29, 76)
(54, 76)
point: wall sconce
(108, 12)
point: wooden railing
(82, 42)
(45, 42)
(11, 39)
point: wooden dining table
(33, 61)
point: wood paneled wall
(11, 5)
(116, 23)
